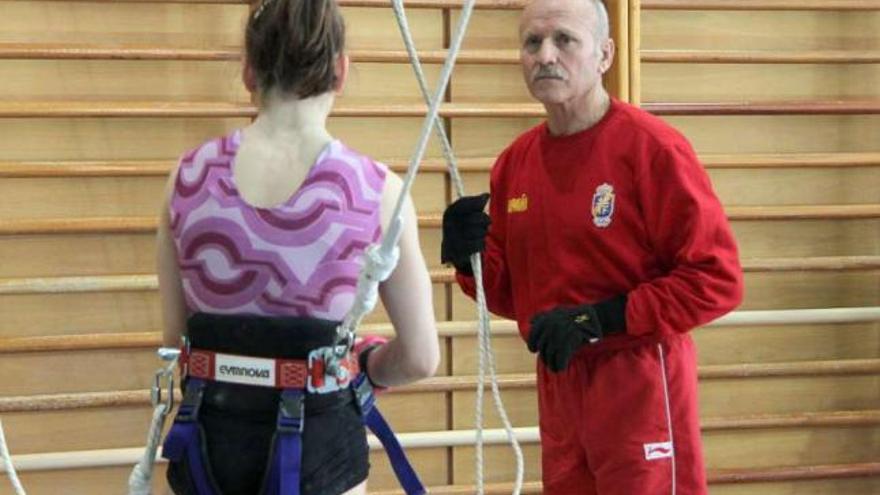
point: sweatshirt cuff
(612, 314)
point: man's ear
(340, 70)
(608, 51)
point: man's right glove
(465, 226)
(557, 334)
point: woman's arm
(415, 352)
(170, 286)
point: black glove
(558, 333)
(465, 226)
(363, 357)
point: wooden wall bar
(779, 97)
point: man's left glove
(558, 333)
(465, 226)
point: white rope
(486, 354)
(378, 265)
(140, 482)
(368, 282)
(7, 462)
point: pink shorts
(623, 422)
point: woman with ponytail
(260, 246)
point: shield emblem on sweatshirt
(603, 205)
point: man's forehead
(568, 14)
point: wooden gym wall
(780, 98)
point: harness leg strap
(185, 438)
(374, 420)
(284, 475)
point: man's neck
(574, 116)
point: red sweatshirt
(621, 207)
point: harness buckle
(327, 372)
(192, 400)
(291, 412)
(166, 375)
(363, 392)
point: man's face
(560, 57)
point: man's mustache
(549, 72)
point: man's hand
(465, 226)
(558, 333)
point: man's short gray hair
(603, 26)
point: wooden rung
(76, 51)
(727, 476)
(440, 4)
(147, 282)
(119, 283)
(788, 160)
(794, 473)
(421, 4)
(67, 285)
(125, 457)
(835, 107)
(465, 56)
(150, 168)
(813, 264)
(794, 420)
(445, 329)
(152, 340)
(91, 168)
(715, 477)
(176, 109)
(146, 225)
(760, 4)
(518, 4)
(791, 369)
(508, 381)
(81, 342)
(803, 212)
(759, 56)
(60, 51)
(528, 488)
(173, 109)
(90, 225)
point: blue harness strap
(284, 475)
(374, 420)
(185, 437)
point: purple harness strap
(404, 471)
(284, 475)
(185, 438)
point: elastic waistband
(286, 337)
(262, 403)
(615, 343)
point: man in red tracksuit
(607, 245)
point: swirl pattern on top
(300, 258)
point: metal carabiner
(338, 352)
(164, 379)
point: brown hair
(293, 45)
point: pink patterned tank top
(301, 258)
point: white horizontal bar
(130, 456)
(794, 316)
(457, 438)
